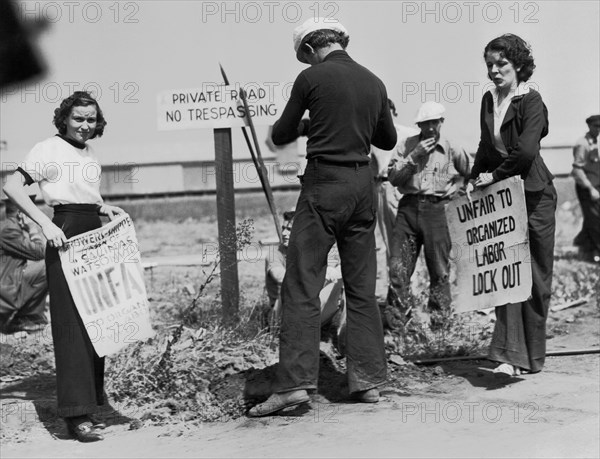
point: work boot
(279, 401)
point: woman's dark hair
(323, 37)
(78, 99)
(516, 50)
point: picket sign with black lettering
(105, 276)
(490, 246)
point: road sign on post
(220, 107)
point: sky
(127, 52)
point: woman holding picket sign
(68, 174)
(513, 121)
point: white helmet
(430, 110)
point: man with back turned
(348, 111)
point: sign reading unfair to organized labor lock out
(219, 106)
(105, 276)
(490, 244)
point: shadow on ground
(479, 373)
(332, 384)
(35, 396)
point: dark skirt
(79, 370)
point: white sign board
(490, 244)
(105, 277)
(218, 106)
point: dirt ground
(446, 409)
(463, 412)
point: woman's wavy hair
(516, 50)
(78, 99)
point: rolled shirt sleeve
(19, 244)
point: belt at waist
(76, 208)
(427, 197)
(354, 164)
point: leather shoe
(83, 431)
(367, 396)
(279, 401)
(97, 423)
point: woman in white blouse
(68, 174)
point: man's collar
(443, 144)
(338, 53)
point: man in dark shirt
(348, 112)
(23, 287)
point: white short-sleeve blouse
(65, 174)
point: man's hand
(594, 194)
(423, 149)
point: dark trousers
(589, 236)
(336, 204)
(79, 370)
(520, 331)
(421, 222)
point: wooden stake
(259, 164)
(262, 170)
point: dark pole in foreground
(226, 223)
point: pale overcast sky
(129, 51)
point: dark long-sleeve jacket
(348, 111)
(523, 127)
(16, 247)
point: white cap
(312, 25)
(430, 110)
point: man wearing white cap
(348, 111)
(428, 170)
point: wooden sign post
(220, 107)
(230, 290)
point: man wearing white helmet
(348, 111)
(428, 170)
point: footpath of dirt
(463, 411)
(467, 414)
